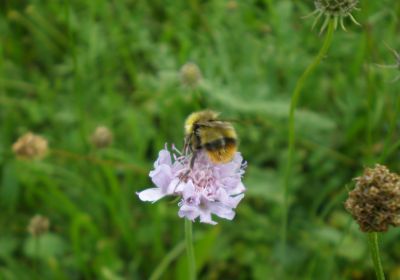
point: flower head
(190, 74)
(335, 10)
(375, 201)
(38, 225)
(205, 189)
(102, 137)
(30, 146)
(231, 5)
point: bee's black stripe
(219, 143)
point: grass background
(69, 66)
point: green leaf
(263, 183)
(8, 245)
(273, 109)
(203, 249)
(9, 190)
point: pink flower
(205, 189)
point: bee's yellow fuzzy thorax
(195, 117)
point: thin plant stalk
(36, 252)
(190, 250)
(291, 127)
(167, 260)
(374, 248)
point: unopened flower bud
(38, 225)
(190, 74)
(375, 201)
(102, 137)
(30, 146)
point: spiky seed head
(102, 137)
(38, 225)
(335, 10)
(190, 74)
(30, 146)
(375, 201)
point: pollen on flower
(205, 189)
(375, 201)
(30, 146)
(335, 10)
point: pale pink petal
(235, 200)
(164, 157)
(221, 210)
(162, 177)
(227, 200)
(152, 194)
(239, 188)
(189, 212)
(230, 182)
(205, 217)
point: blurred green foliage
(68, 66)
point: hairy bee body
(204, 131)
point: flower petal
(227, 200)
(188, 190)
(161, 176)
(230, 182)
(189, 212)
(236, 199)
(164, 157)
(205, 217)
(152, 194)
(240, 188)
(175, 186)
(220, 210)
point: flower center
(202, 179)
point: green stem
(189, 249)
(373, 246)
(387, 148)
(167, 260)
(291, 126)
(36, 262)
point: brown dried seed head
(375, 201)
(231, 5)
(30, 146)
(38, 225)
(102, 137)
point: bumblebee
(204, 131)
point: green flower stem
(373, 246)
(189, 249)
(291, 123)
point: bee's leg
(185, 176)
(192, 159)
(186, 146)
